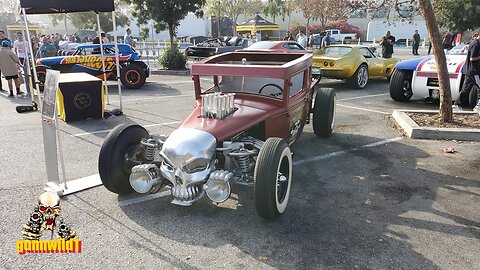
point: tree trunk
(440, 59)
(171, 32)
(289, 19)
(306, 30)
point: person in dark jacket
(416, 43)
(472, 73)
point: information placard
(50, 94)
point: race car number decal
(92, 61)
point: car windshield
(336, 50)
(261, 45)
(459, 49)
(270, 87)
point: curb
(414, 131)
(185, 72)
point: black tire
(472, 97)
(360, 79)
(324, 112)
(133, 76)
(114, 170)
(271, 191)
(401, 85)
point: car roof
(93, 46)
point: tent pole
(65, 22)
(26, 68)
(117, 61)
(103, 58)
(29, 38)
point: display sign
(64, 6)
(50, 93)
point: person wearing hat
(2, 38)
(8, 64)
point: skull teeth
(185, 194)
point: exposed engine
(217, 105)
(192, 164)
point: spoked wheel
(119, 153)
(273, 178)
(324, 112)
(133, 76)
(401, 85)
(360, 78)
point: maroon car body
(249, 108)
(276, 46)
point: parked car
(418, 78)
(355, 63)
(87, 58)
(238, 133)
(217, 46)
(336, 36)
(276, 46)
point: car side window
(293, 46)
(296, 84)
(366, 53)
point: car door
(298, 102)
(375, 65)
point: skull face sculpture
(188, 159)
(49, 207)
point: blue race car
(87, 58)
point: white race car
(418, 79)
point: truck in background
(336, 36)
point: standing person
(416, 43)
(447, 41)
(326, 41)
(8, 64)
(47, 49)
(387, 45)
(2, 38)
(288, 37)
(472, 73)
(20, 47)
(105, 39)
(302, 39)
(35, 44)
(127, 38)
(258, 36)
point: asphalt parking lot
(364, 198)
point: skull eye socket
(196, 165)
(43, 208)
(167, 166)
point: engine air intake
(217, 105)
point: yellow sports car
(356, 63)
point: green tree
(166, 14)
(273, 8)
(144, 33)
(289, 6)
(447, 13)
(233, 9)
(88, 20)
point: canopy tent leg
(103, 58)
(117, 61)
(29, 39)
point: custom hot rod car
(87, 58)
(238, 133)
(356, 63)
(418, 79)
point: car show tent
(257, 23)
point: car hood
(56, 60)
(248, 114)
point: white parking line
(362, 109)
(295, 163)
(360, 97)
(150, 98)
(333, 154)
(108, 130)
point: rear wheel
(133, 76)
(324, 112)
(401, 85)
(119, 153)
(360, 79)
(273, 178)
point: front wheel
(133, 76)
(360, 79)
(324, 112)
(273, 178)
(401, 85)
(119, 153)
